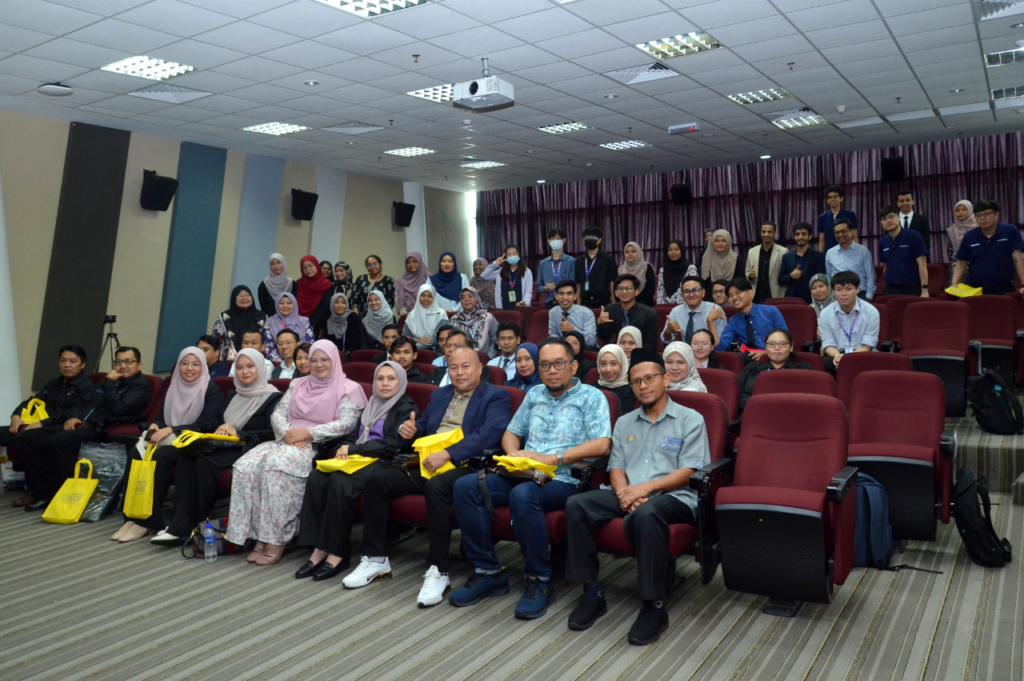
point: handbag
(197, 541)
(66, 508)
(138, 496)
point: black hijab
(583, 365)
(675, 270)
(238, 320)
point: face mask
(513, 260)
(590, 243)
(556, 244)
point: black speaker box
(403, 213)
(893, 170)
(157, 191)
(303, 204)
(681, 194)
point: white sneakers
(366, 573)
(434, 586)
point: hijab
(957, 230)
(248, 398)
(623, 378)
(638, 269)
(715, 265)
(408, 285)
(378, 408)
(818, 307)
(374, 322)
(279, 322)
(184, 401)
(674, 271)
(346, 285)
(337, 324)
(448, 284)
(315, 401)
(484, 287)
(311, 289)
(474, 321)
(330, 277)
(527, 382)
(692, 380)
(237, 320)
(423, 320)
(632, 331)
(278, 283)
(583, 365)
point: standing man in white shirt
(913, 221)
(764, 263)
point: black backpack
(995, 407)
(984, 546)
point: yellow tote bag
(138, 497)
(67, 507)
(431, 444)
(353, 463)
(522, 463)
(187, 437)
(34, 411)
(962, 290)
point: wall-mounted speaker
(303, 204)
(893, 170)
(157, 191)
(682, 195)
(403, 213)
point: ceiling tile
(624, 57)
(606, 12)
(491, 12)
(40, 70)
(551, 23)
(852, 34)
(308, 54)
(402, 56)
(880, 77)
(76, 53)
(306, 19)
(298, 82)
(861, 51)
(581, 44)
(257, 69)
(518, 58)
(78, 98)
(703, 61)
(796, 63)
(118, 35)
(358, 93)
(210, 81)
(264, 93)
(772, 48)
(427, 21)
(175, 17)
(247, 37)
(550, 73)
(132, 104)
(361, 68)
(959, 66)
(223, 104)
(15, 39)
(199, 55)
(951, 52)
(476, 43)
(928, 40)
(190, 114)
(45, 17)
(711, 15)
(932, 20)
(749, 32)
(833, 15)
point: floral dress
(269, 480)
(677, 296)
(227, 337)
(361, 289)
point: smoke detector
(55, 90)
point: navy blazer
(814, 263)
(487, 415)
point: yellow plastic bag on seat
(522, 463)
(962, 290)
(432, 444)
(34, 411)
(187, 437)
(138, 496)
(355, 462)
(67, 507)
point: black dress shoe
(325, 570)
(308, 569)
(38, 505)
(649, 625)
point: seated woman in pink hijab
(270, 479)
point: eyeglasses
(190, 365)
(891, 216)
(649, 379)
(324, 362)
(558, 364)
(985, 214)
(841, 232)
(124, 362)
(623, 289)
(736, 295)
(691, 291)
(777, 345)
(832, 197)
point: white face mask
(556, 244)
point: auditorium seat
(226, 385)
(425, 356)
(591, 355)
(785, 527)
(592, 376)
(798, 381)
(994, 334)
(133, 425)
(498, 375)
(812, 358)
(97, 378)
(363, 355)
(935, 337)
(881, 299)
(420, 394)
(724, 384)
(730, 311)
(856, 363)
(896, 424)
(884, 329)
(938, 278)
(897, 313)
(360, 371)
(1018, 300)
(538, 329)
(732, 361)
(801, 322)
(514, 316)
(280, 383)
(777, 302)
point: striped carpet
(1000, 458)
(76, 606)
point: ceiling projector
(489, 93)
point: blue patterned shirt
(553, 423)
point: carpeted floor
(1000, 458)
(77, 606)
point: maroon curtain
(737, 198)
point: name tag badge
(586, 286)
(511, 296)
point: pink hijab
(315, 401)
(184, 401)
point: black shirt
(414, 375)
(64, 399)
(640, 316)
(258, 428)
(354, 338)
(267, 301)
(211, 416)
(595, 289)
(627, 399)
(763, 290)
(392, 441)
(123, 397)
(754, 369)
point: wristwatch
(560, 455)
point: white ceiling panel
(551, 23)
(710, 15)
(200, 55)
(428, 21)
(930, 39)
(41, 70)
(208, 81)
(45, 17)
(933, 20)
(309, 55)
(854, 34)
(607, 12)
(298, 82)
(516, 59)
(247, 37)
(175, 17)
(492, 12)
(75, 52)
(119, 35)
(306, 19)
(15, 39)
(749, 32)
(476, 43)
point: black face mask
(590, 243)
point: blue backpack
(873, 542)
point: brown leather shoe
(26, 499)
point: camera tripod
(110, 341)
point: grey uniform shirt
(649, 451)
(681, 314)
(580, 317)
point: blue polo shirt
(990, 258)
(900, 257)
(827, 225)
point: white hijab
(620, 355)
(279, 283)
(423, 320)
(692, 380)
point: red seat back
(514, 316)
(726, 385)
(785, 301)
(591, 355)
(593, 375)
(498, 375)
(159, 387)
(1018, 300)
(938, 277)
(367, 389)
(884, 323)
(795, 381)
(226, 385)
(360, 371)
(716, 418)
(899, 407)
(993, 317)
(425, 368)
(936, 325)
(614, 408)
(420, 394)
(538, 329)
(281, 383)
(96, 378)
(730, 360)
(517, 396)
(363, 355)
(856, 363)
(801, 322)
(812, 358)
(425, 356)
(897, 312)
(782, 447)
(730, 311)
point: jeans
(527, 501)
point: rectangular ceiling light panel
(481, 165)
(370, 9)
(679, 45)
(796, 118)
(174, 94)
(275, 128)
(625, 144)
(641, 74)
(148, 67)
(353, 128)
(410, 151)
(562, 128)
(1008, 93)
(994, 59)
(860, 122)
(438, 93)
(772, 94)
(910, 115)
(997, 9)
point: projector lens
(474, 87)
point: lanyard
(557, 273)
(853, 327)
(586, 268)
(512, 278)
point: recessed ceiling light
(351, 142)
(562, 128)
(276, 128)
(997, 9)
(956, 90)
(311, 83)
(353, 128)
(1019, 25)
(1008, 92)
(772, 94)
(796, 118)
(437, 93)
(164, 92)
(765, 157)
(480, 165)
(541, 181)
(625, 144)
(679, 45)
(994, 59)
(55, 90)
(369, 9)
(410, 151)
(641, 74)
(148, 67)
(611, 96)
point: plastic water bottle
(209, 543)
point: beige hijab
(638, 269)
(715, 265)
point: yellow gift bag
(66, 508)
(522, 463)
(187, 437)
(432, 444)
(138, 497)
(353, 463)
(962, 290)
(34, 411)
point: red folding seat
(96, 378)
(785, 527)
(856, 363)
(884, 329)
(1018, 300)
(801, 322)
(425, 356)
(795, 381)
(898, 311)
(360, 371)
(226, 385)
(896, 422)
(994, 334)
(938, 278)
(363, 355)
(812, 358)
(730, 311)
(281, 384)
(730, 360)
(538, 330)
(514, 316)
(935, 336)
(133, 425)
(786, 301)
(726, 385)
(881, 299)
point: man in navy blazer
(482, 411)
(800, 265)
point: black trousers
(47, 454)
(997, 289)
(646, 529)
(392, 483)
(910, 290)
(329, 509)
(195, 483)
(166, 458)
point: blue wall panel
(258, 215)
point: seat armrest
(888, 346)
(1020, 334)
(812, 346)
(734, 426)
(841, 484)
(947, 443)
(703, 477)
(485, 459)
(584, 471)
